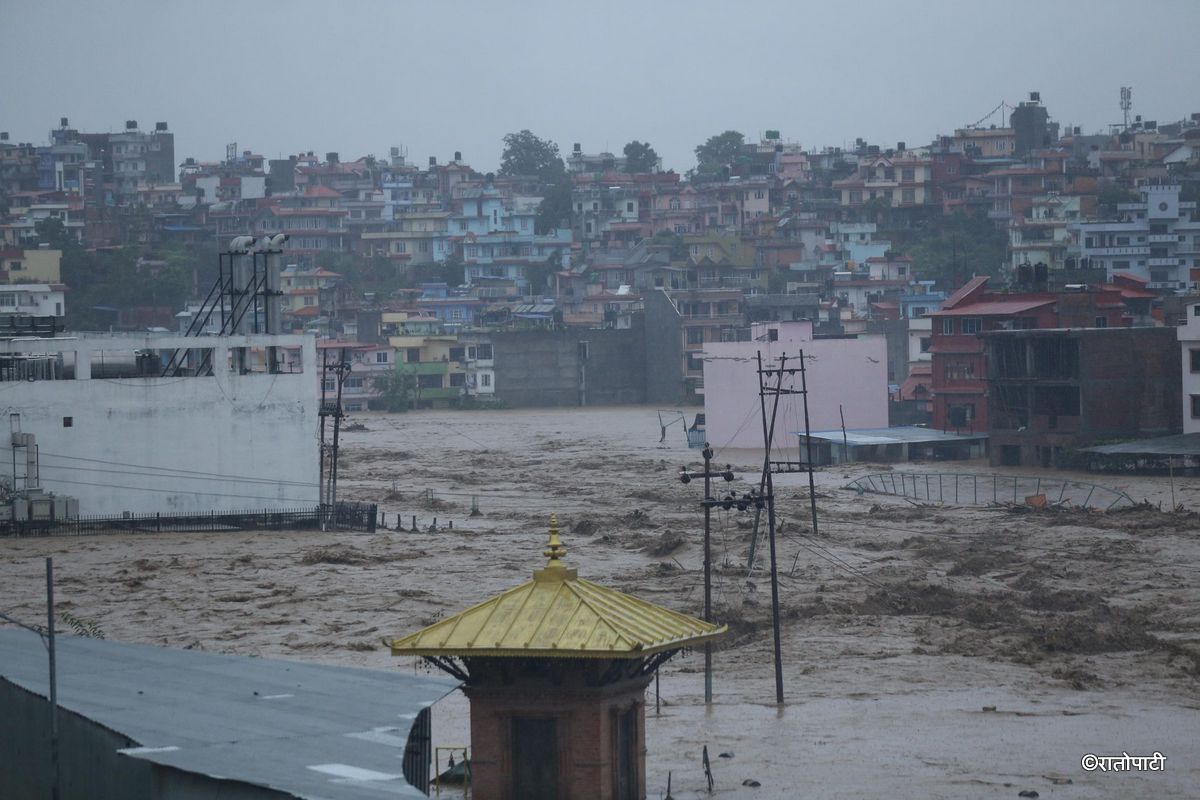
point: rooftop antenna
(1126, 102)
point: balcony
(1168, 261)
(425, 367)
(1137, 250)
(1163, 238)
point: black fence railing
(343, 516)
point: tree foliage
(397, 389)
(527, 154)
(950, 249)
(640, 157)
(720, 151)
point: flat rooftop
(900, 435)
(1186, 444)
(311, 730)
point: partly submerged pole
(768, 433)
(54, 787)
(708, 454)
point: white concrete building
(1157, 239)
(115, 434)
(32, 299)
(1189, 339)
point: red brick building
(959, 366)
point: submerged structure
(556, 671)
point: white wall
(173, 445)
(1189, 337)
(851, 373)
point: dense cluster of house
(623, 300)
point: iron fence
(965, 489)
(343, 516)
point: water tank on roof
(62, 122)
(458, 155)
(160, 126)
(1035, 97)
(131, 124)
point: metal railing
(990, 489)
(343, 516)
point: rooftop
(310, 730)
(559, 615)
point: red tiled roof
(993, 308)
(968, 288)
(321, 191)
(307, 311)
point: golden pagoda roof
(559, 615)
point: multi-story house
(1041, 235)
(36, 265)
(1189, 340)
(435, 359)
(140, 158)
(683, 322)
(1157, 239)
(959, 368)
(1050, 391)
(419, 237)
(900, 180)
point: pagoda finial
(554, 547)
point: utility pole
(54, 787)
(707, 503)
(768, 435)
(328, 488)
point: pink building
(845, 374)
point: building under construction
(1053, 391)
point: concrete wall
(171, 445)
(851, 373)
(90, 768)
(664, 350)
(547, 368)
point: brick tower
(556, 671)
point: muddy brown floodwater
(929, 652)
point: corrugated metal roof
(291, 726)
(559, 615)
(992, 308)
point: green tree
(396, 389)
(526, 154)
(950, 249)
(555, 209)
(640, 157)
(720, 151)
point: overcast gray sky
(280, 77)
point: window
(353, 383)
(485, 379)
(629, 207)
(908, 175)
(695, 362)
(458, 379)
(908, 196)
(381, 357)
(695, 335)
(758, 195)
(948, 327)
(972, 325)
(1101, 322)
(925, 343)
(1195, 358)
(1196, 406)
(68, 422)
(308, 301)
(412, 355)
(485, 352)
